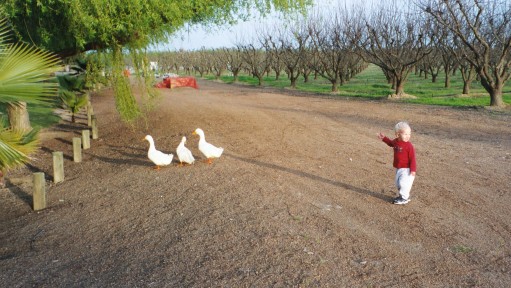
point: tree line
(469, 36)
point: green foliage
(25, 74)
(71, 93)
(72, 82)
(69, 27)
(95, 66)
(124, 99)
(73, 102)
(15, 146)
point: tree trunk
(293, 82)
(494, 90)
(335, 86)
(400, 87)
(277, 75)
(261, 79)
(306, 77)
(466, 87)
(447, 82)
(496, 99)
(18, 116)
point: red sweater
(404, 154)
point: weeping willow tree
(114, 27)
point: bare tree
(392, 38)
(452, 56)
(219, 60)
(483, 30)
(256, 59)
(335, 60)
(234, 62)
(433, 63)
(202, 61)
(273, 49)
(291, 45)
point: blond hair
(401, 126)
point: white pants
(404, 182)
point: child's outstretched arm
(385, 139)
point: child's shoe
(400, 201)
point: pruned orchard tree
(219, 61)
(257, 60)
(392, 37)
(202, 61)
(116, 27)
(285, 45)
(269, 39)
(433, 63)
(483, 31)
(444, 43)
(165, 60)
(467, 70)
(234, 61)
(295, 43)
(333, 47)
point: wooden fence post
(86, 139)
(77, 149)
(39, 197)
(94, 127)
(90, 112)
(58, 167)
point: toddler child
(404, 160)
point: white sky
(197, 37)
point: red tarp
(173, 82)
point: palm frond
(15, 147)
(72, 82)
(72, 101)
(4, 33)
(24, 74)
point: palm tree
(72, 93)
(24, 74)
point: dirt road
(300, 198)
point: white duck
(206, 148)
(159, 158)
(184, 154)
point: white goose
(206, 148)
(184, 154)
(159, 158)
